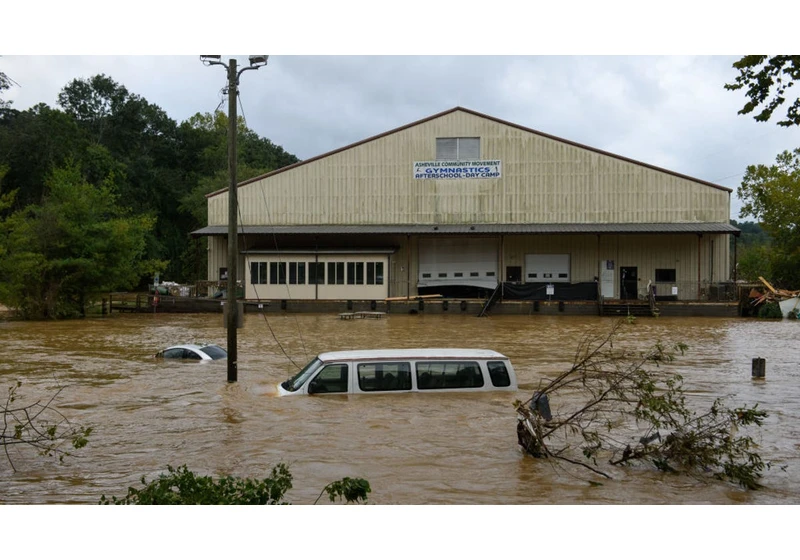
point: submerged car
(193, 352)
(407, 370)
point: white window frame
(462, 144)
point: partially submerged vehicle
(193, 352)
(403, 370)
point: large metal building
(458, 202)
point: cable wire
(280, 261)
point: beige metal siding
(217, 256)
(543, 181)
(646, 252)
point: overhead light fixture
(259, 59)
(211, 59)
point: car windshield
(294, 383)
(214, 351)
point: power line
(280, 261)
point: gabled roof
(477, 114)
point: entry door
(513, 274)
(607, 279)
(628, 282)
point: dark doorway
(513, 274)
(628, 282)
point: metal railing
(693, 291)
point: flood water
(413, 449)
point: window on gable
(458, 149)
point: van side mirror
(315, 387)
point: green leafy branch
(38, 425)
(352, 490)
(632, 411)
(180, 486)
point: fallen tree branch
(39, 425)
(626, 401)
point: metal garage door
(547, 268)
(458, 262)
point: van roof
(413, 354)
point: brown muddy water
(413, 449)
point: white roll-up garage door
(547, 268)
(458, 262)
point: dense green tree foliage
(767, 78)
(771, 194)
(751, 251)
(78, 242)
(752, 234)
(160, 171)
(32, 144)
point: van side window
(448, 375)
(331, 379)
(384, 376)
(499, 374)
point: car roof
(413, 354)
(194, 346)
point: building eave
(696, 228)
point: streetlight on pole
(256, 62)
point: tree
(32, 144)
(183, 487)
(160, 169)
(77, 243)
(210, 135)
(5, 83)
(754, 261)
(767, 78)
(752, 234)
(628, 414)
(207, 134)
(771, 194)
(38, 425)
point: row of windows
(455, 274)
(293, 272)
(397, 376)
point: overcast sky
(669, 111)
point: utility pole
(233, 227)
(256, 62)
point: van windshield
(294, 383)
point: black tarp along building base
(531, 291)
(537, 291)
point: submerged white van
(407, 370)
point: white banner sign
(489, 169)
